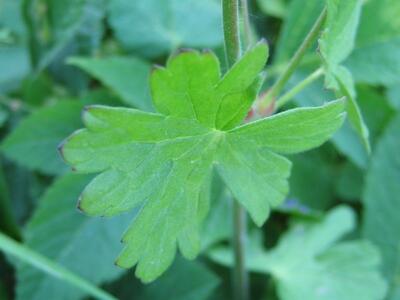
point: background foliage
(335, 237)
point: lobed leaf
(162, 162)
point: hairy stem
(230, 15)
(248, 32)
(293, 64)
(241, 276)
(298, 88)
(35, 259)
(230, 12)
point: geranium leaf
(163, 161)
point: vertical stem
(230, 15)
(241, 277)
(248, 32)
(230, 12)
(294, 62)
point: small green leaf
(163, 161)
(309, 263)
(156, 27)
(382, 203)
(126, 76)
(58, 231)
(336, 43)
(33, 143)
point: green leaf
(3, 116)
(336, 43)
(157, 27)
(8, 223)
(382, 202)
(59, 232)
(303, 172)
(275, 8)
(163, 161)
(376, 57)
(33, 143)
(350, 182)
(196, 282)
(393, 95)
(14, 56)
(185, 280)
(126, 76)
(329, 270)
(296, 26)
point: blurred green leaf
(376, 58)
(3, 116)
(303, 175)
(86, 246)
(336, 43)
(14, 56)
(309, 263)
(275, 8)
(296, 26)
(382, 204)
(185, 280)
(126, 76)
(34, 141)
(393, 95)
(157, 27)
(376, 109)
(36, 89)
(350, 182)
(8, 223)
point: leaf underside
(162, 162)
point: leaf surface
(126, 76)
(156, 27)
(376, 57)
(61, 233)
(34, 141)
(382, 201)
(163, 161)
(329, 269)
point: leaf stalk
(293, 64)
